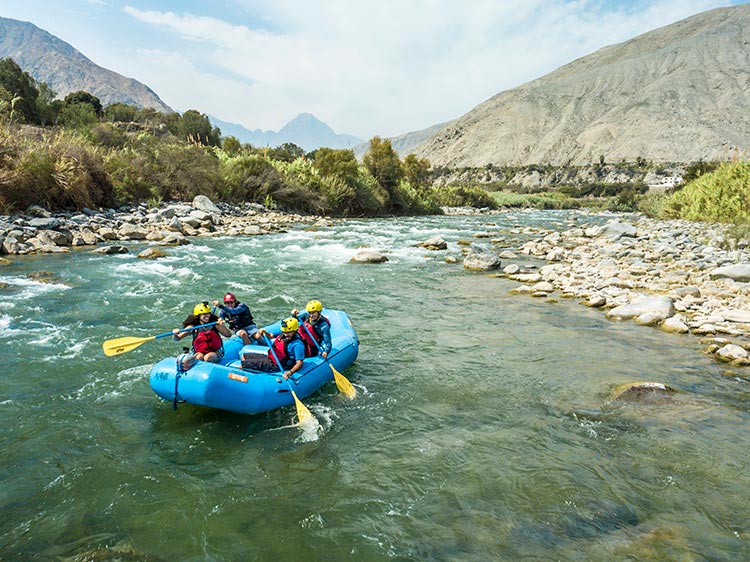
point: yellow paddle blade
(343, 384)
(121, 345)
(303, 414)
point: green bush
(163, 170)
(464, 196)
(719, 196)
(536, 200)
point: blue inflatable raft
(226, 386)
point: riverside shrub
(719, 196)
(58, 172)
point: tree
(416, 171)
(287, 152)
(21, 88)
(338, 163)
(196, 127)
(120, 112)
(47, 106)
(383, 163)
(84, 97)
(231, 145)
(77, 116)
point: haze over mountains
(305, 131)
(680, 93)
(50, 59)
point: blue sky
(381, 67)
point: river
(482, 429)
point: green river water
(481, 430)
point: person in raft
(238, 316)
(316, 324)
(207, 343)
(288, 347)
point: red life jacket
(279, 345)
(207, 341)
(311, 350)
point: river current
(482, 429)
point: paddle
(342, 383)
(303, 414)
(121, 345)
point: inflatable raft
(227, 386)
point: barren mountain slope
(52, 60)
(679, 93)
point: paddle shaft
(342, 383)
(302, 412)
(186, 330)
(121, 345)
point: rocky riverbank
(168, 225)
(680, 276)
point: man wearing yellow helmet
(288, 348)
(316, 325)
(207, 342)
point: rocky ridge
(65, 69)
(674, 94)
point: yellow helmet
(201, 308)
(314, 306)
(290, 324)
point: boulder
(174, 239)
(368, 256)
(738, 272)
(434, 243)
(641, 392)
(731, 352)
(152, 253)
(202, 215)
(481, 260)
(253, 230)
(113, 249)
(133, 231)
(739, 316)
(615, 230)
(661, 307)
(203, 203)
(675, 325)
(11, 245)
(45, 223)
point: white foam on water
(244, 259)
(311, 430)
(30, 289)
(286, 298)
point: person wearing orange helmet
(207, 342)
(237, 315)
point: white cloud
(387, 67)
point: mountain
(405, 144)
(305, 131)
(680, 93)
(49, 59)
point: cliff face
(52, 60)
(680, 93)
